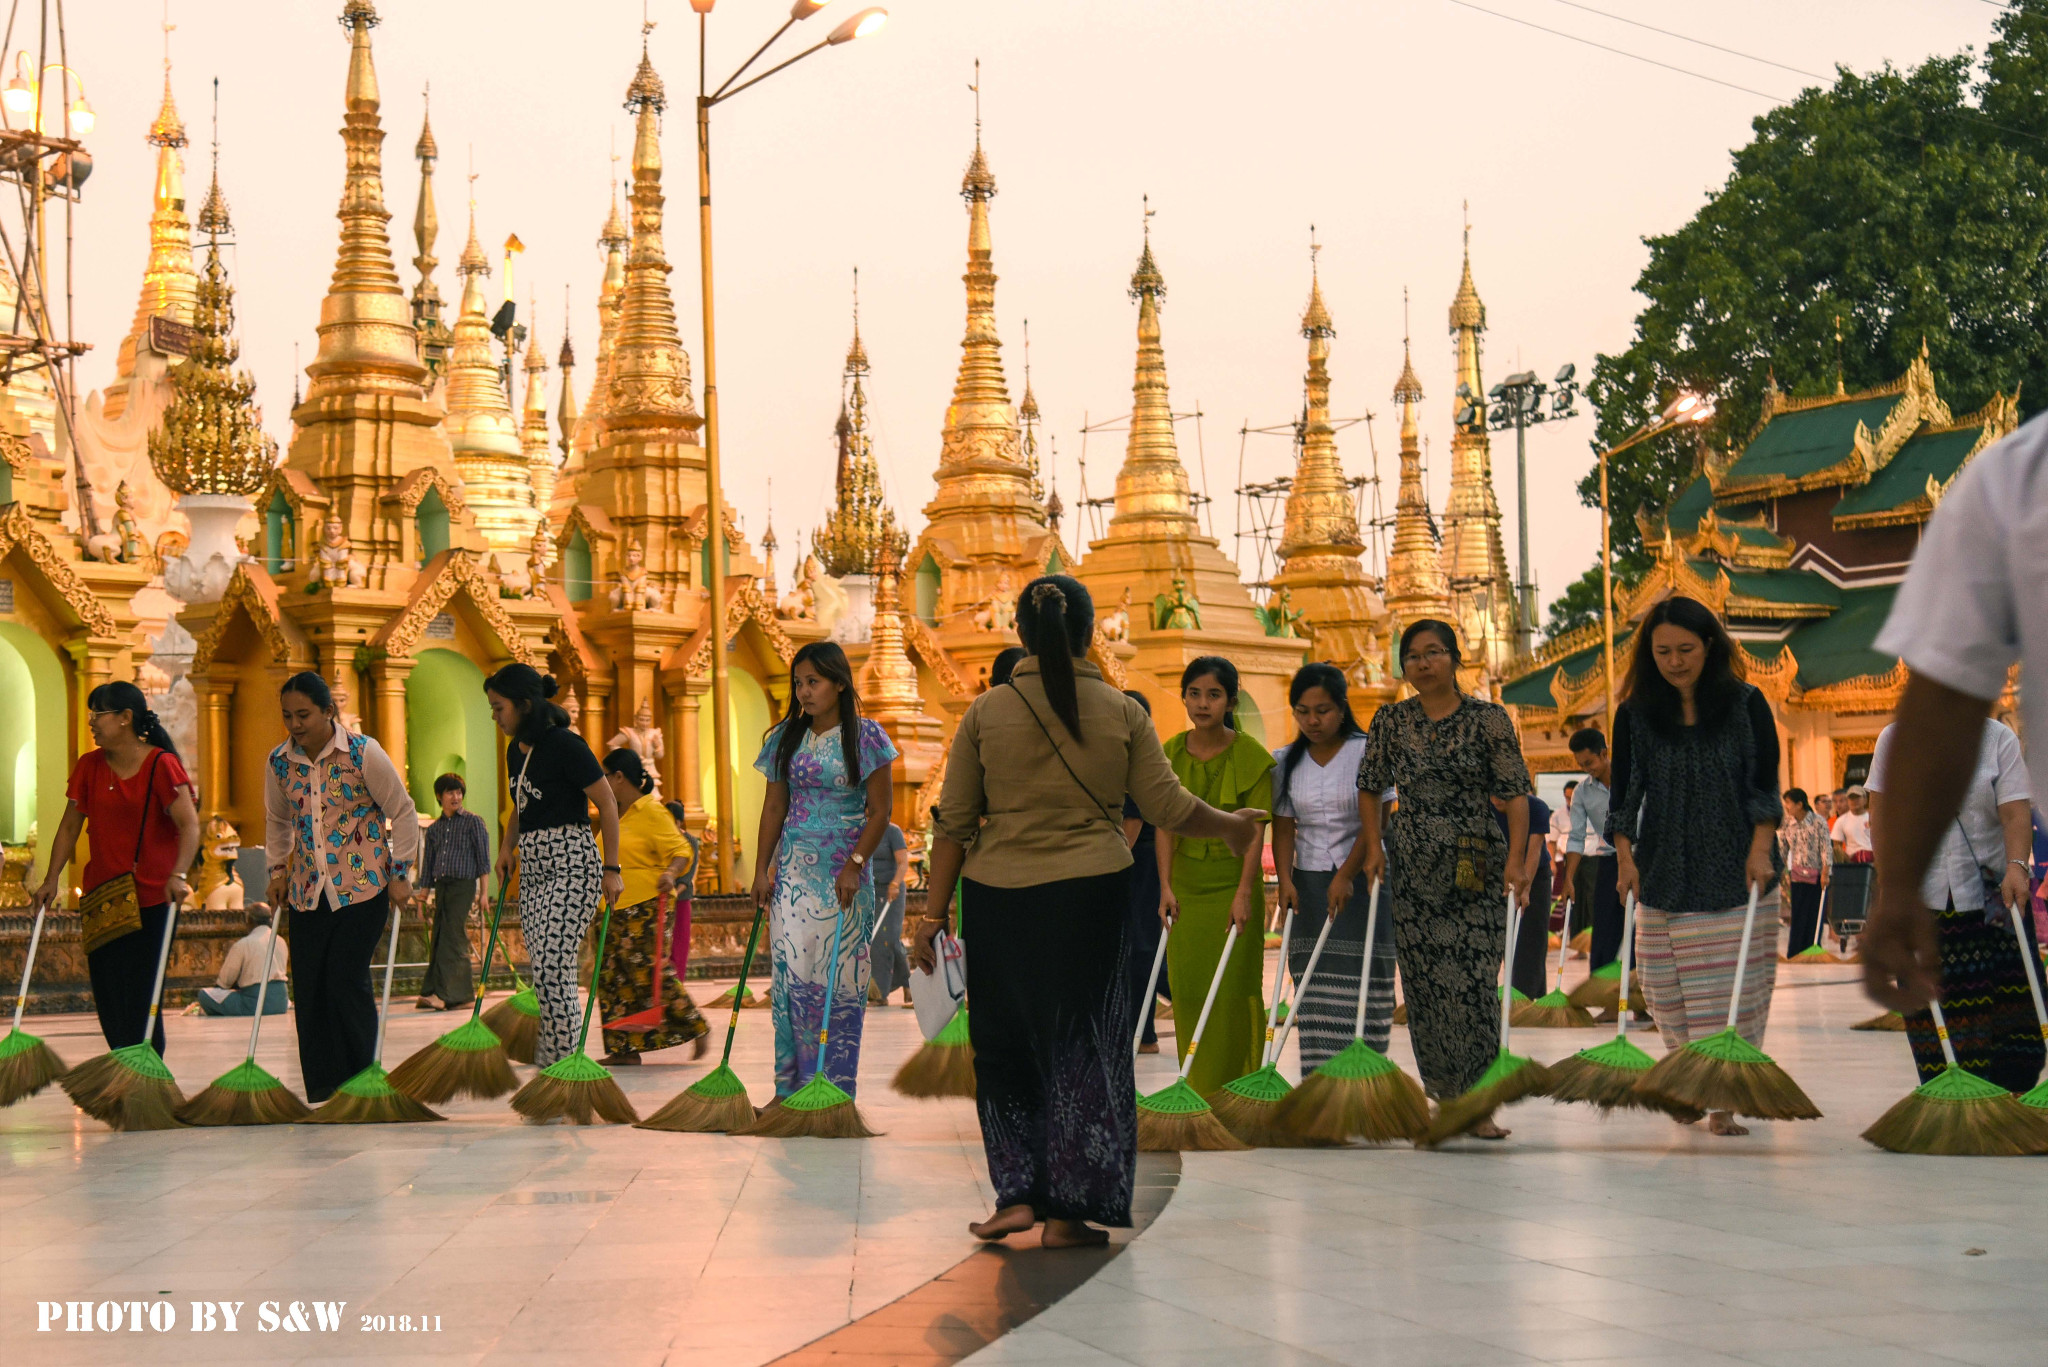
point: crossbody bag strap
(1061, 757)
(142, 823)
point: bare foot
(1005, 1222)
(1151, 1048)
(1486, 1129)
(1723, 1123)
(1072, 1234)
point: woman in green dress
(1204, 889)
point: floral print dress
(826, 813)
(1446, 869)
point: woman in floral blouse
(1803, 841)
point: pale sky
(1245, 123)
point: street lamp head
(1686, 407)
(82, 118)
(1566, 373)
(702, 6)
(859, 26)
(20, 94)
(802, 9)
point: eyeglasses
(1421, 657)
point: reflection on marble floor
(1624, 1241)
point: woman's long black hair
(830, 661)
(122, 696)
(529, 690)
(1720, 682)
(628, 765)
(1330, 679)
(1223, 672)
(1056, 622)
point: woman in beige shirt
(1030, 827)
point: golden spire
(565, 408)
(888, 680)
(1152, 486)
(213, 212)
(169, 282)
(769, 545)
(481, 428)
(1475, 561)
(426, 226)
(1027, 416)
(851, 539)
(367, 341)
(533, 426)
(1321, 519)
(649, 383)
(1415, 576)
(211, 439)
(611, 298)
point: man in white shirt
(1586, 847)
(1850, 831)
(1974, 602)
(235, 991)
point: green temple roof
(1806, 441)
(1935, 455)
(1839, 646)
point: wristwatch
(859, 860)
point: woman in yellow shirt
(653, 857)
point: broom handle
(1507, 972)
(1372, 917)
(1564, 942)
(483, 982)
(1948, 1051)
(163, 959)
(2019, 931)
(28, 965)
(604, 928)
(1145, 1007)
(263, 987)
(746, 962)
(384, 1010)
(1215, 984)
(831, 985)
(1742, 956)
(1279, 968)
(1628, 942)
(1301, 988)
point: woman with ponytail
(554, 782)
(1032, 816)
(136, 798)
(639, 971)
(825, 815)
(1206, 887)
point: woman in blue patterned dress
(827, 809)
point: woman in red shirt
(136, 798)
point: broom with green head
(1358, 1093)
(2037, 1098)
(130, 1088)
(1175, 1118)
(469, 1060)
(1554, 1010)
(1890, 1021)
(1245, 1105)
(820, 1109)
(27, 1065)
(1509, 1078)
(1150, 999)
(1817, 952)
(716, 1103)
(1724, 1071)
(944, 1065)
(1957, 1113)
(578, 1088)
(248, 1094)
(1606, 1075)
(368, 1098)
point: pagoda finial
(473, 260)
(426, 227)
(565, 406)
(169, 280)
(649, 380)
(851, 539)
(979, 183)
(213, 214)
(1321, 518)
(167, 129)
(1027, 415)
(856, 354)
(1467, 312)
(1146, 279)
(981, 428)
(1152, 485)
(1315, 319)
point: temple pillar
(216, 696)
(391, 673)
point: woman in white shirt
(1317, 852)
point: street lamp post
(1517, 402)
(860, 25)
(1684, 410)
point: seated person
(242, 970)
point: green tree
(1902, 208)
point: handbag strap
(142, 822)
(1100, 805)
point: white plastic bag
(938, 995)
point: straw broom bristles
(516, 1021)
(820, 1109)
(578, 1089)
(368, 1098)
(244, 1095)
(1956, 1112)
(716, 1103)
(27, 1065)
(943, 1066)
(130, 1088)
(1554, 1010)
(469, 1060)
(1605, 1076)
(1508, 1079)
(1887, 1020)
(2037, 1099)
(1725, 1072)
(1176, 1118)
(1600, 989)
(1245, 1105)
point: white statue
(635, 590)
(125, 544)
(999, 613)
(341, 708)
(831, 598)
(1116, 623)
(800, 604)
(644, 739)
(573, 705)
(334, 561)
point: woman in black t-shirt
(554, 779)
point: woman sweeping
(342, 837)
(638, 972)
(1318, 849)
(135, 799)
(1031, 813)
(1695, 826)
(1980, 868)
(554, 782)
(827, 807)
(1206, 887)
(1446, 863)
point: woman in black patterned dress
(1447, 867)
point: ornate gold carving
(17, 530)
(244, 592)
(1845, 746)
(463, 571)
(926, 647)
(211, 438)
(649, 374)
(859, 528)
(1866, 693)
(744, 604)
(1152, 496)
(414, 486)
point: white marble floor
(1577, 1241)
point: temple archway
(32, 731)
(448, 729)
